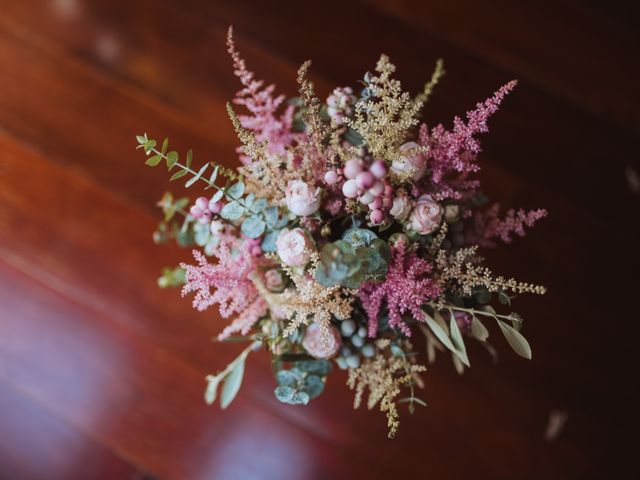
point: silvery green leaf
(322, 278)
(282, 222)
(271, 216)
(478, 330)
(260, 205)
(299, 398)
(217, 196)
(248, 201)
(458, 341)
(153, 161)
(149, 145)
(284, 394)
(288, 378)
(439, 332)
(142, 139)
(358, 237)
(316, 367)
(201, 233)
(165, 146)
(214, 176)
(232, 211)
(515, 339)
(235, 191)
(197, 176)
(313, 386)
(232, 383)
(211, 391)
(177, 175)
(457, 363)
(172, 159)
(269, 241)
(253, 226)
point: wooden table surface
(102, 374)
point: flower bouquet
(348, 229)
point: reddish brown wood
(108, 361)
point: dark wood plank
(36, 445)
(530, 122)
(139, 399)
(563, 47)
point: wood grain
(96, 361)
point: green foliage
(171, 277)
(230, 378)
(358, 257)
(303, 382)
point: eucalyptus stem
(474, 311)
(243, 355)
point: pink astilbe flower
(232, 287)
(488, 226)
(452, 154)
(262, 106)
(406, 288)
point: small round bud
(353, 361)
(365, 180)
(331, 177)
(202, 203)
(215, 207)
(342, 363)
(348, 327)
(366, 198)
(376, 204)
(350, 189)
(352, 168)
(357, 341)
(377, 189)
(362, 332)
(378, 169)
(376, 217)
(368, 350)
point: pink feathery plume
(453, 154)
(406, 288)
(245, 321)
(488, 226)
(226, 283)
(262, 106)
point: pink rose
(411, 167)
(302, 200)
(294, 247)
(274, 280)
(426, 215)
(401, 207)
(320, 347)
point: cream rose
(274, 280)
(302, 200)
(294, 247)
(401, 207)
(426, 215)
(412, 166)
(319, 347)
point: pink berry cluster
(367, 184)
(204, 209)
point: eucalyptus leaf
(299, 398)
(153, 161)
(271, 216)
(316, 367)
(232, 383)
(232, 211)
(253, 226)
(313, 386)
(358, 237)
(165, 146)
(172, 159)
(197, 176)
(177, 175)
(260, 205)
(217, 196)
(288, 378)
(235, 191)
(214, 175)
(149, 145)
(515, 339)
(284, 393)
(269, 241)
(142, 139)
(201, 232)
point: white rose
(302, 200)
(412, 166)
(401, 207)
(294, 247)
(426, 215)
